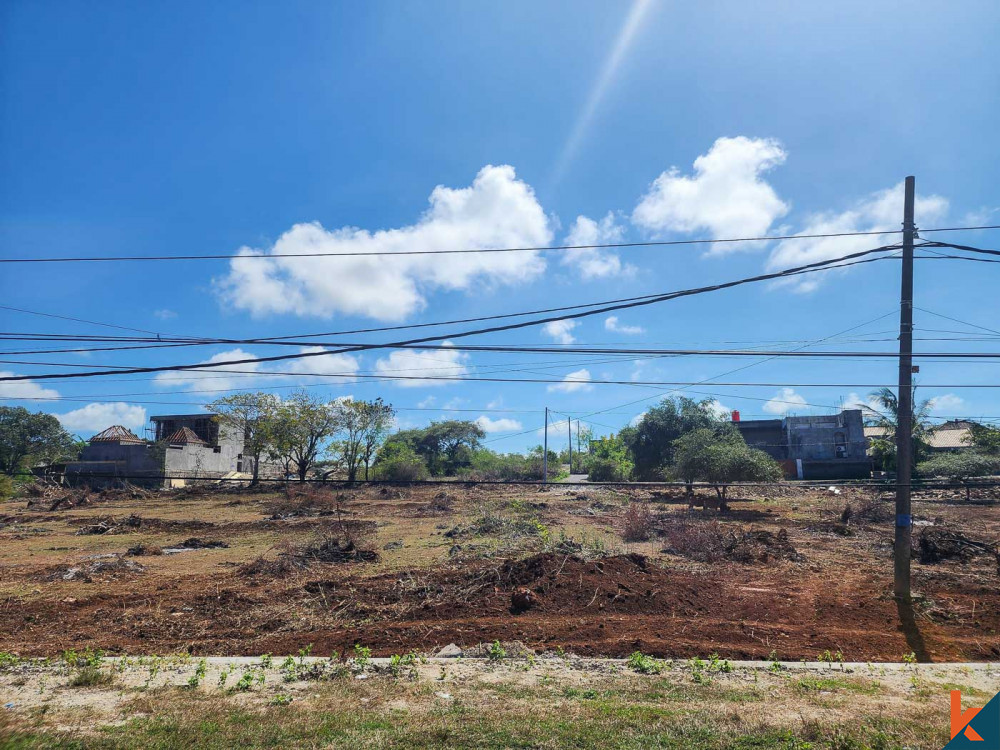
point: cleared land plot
(400, 569)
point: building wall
(100, 463)
(837, 437)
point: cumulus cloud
(726, 195)
(498, 425)
(557, 431)
(24, 390)
(164, 314)
(611, 324)
(497, 210)
(559, 330)
(594, 262)
(867, 404)
(718, 410)
(784, 401)
(422, 364)
(98, 416)
(251, 373)
(882, 210)
(947, 404)
(575, 381)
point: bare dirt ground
(418, 568)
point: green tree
(609, 460)
(396, 460)
(28, 438)
(651, 441)
(253, 416)
(886, 418)
(984, 438)
(364, 425)
(302, 425)
(722, 458)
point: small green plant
(698, 673)
(223, 677)
(265, 661)
(496, 652)
(248, 679)
(910, 658)
(289, 673)
(715, 664)
(362, 656)
(8, 660)
(775, 667)
(397, 663)
(199, 674)
(91, 676)
(827, 658)
(643, 664)
(281, 699)
(304, 652)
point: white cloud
(634, 422)
(25, 390)
(947, 404)
(558, 430)
(725, 197)
(868, 404)
(423, 364)
(498, 425)
(575, 381)
(718, 410)
(250, 373)
(497, 210)
(455, 402)
(559, 330)
(784, 401)
(882, 210)
(165, 314)
(612, 324)
(98, 416)
(593, 262)
(426, 403)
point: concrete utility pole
(545, 449)
(904, 408)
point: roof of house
(117, 434)
(185, 436)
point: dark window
(216, 449)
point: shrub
(637, 523)
(606, 470)
(960, 467)
(500, 467)
(398, 462)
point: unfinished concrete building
(830, 446)
(186, 448)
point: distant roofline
(202, 415)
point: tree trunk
(256, 472)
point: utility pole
(904, 408)
(569, 438)
(545, 449)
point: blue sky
(173, 128)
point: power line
(847, 260)
(545, 248)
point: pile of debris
(935, 544)
(330, 548)
(104, 567)
(710, 542)
(111, 525)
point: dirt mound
(331, 548)
(936, 544)
(709, 542)
(196, 543)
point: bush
(499, 467)
(398, 462)
(6, 487)
(637, 523)
(960, 467)
(606, 470)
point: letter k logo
(959, 720)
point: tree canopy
(721, 458)
(651, 441)
(27, 438)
